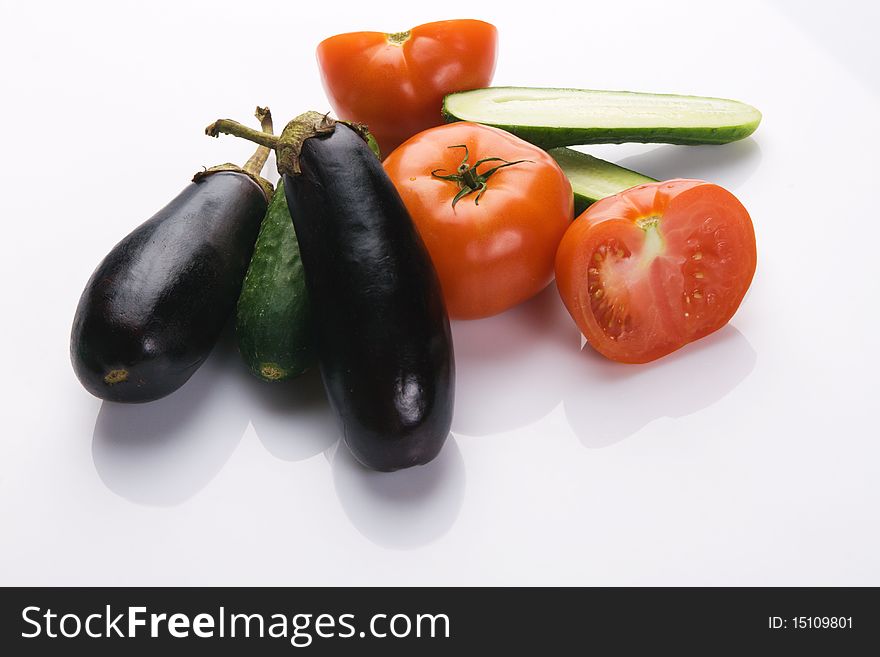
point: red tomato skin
(667, 324)
(396, 89)
(495, 255)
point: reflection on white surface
(729, 165)
(515, 368)
(291, 418)
(510, 369)
(404, 509)
(610, 401)
(164, 452)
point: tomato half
(395, 83)
(655, 267)
(493, 240)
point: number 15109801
(810, 623)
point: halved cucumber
(593, 179)
(569, 117)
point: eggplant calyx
(266, 187)
(364, 133)
(305, 126)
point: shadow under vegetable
(728, 165)
(404, 509)
(164, 452)
(608, 402)
(292, 419)
(510, 369)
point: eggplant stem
(288, 146)
(236, 129)
(258, 160)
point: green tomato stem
(468, 177)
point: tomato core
(398, 38)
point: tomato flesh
(653, 268)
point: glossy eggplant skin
(382, 333)
(156, 305)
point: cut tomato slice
(650, 269)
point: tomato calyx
(469, 179)
(398, 38)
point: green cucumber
(593, 179)
(273, 320)
(570, 117)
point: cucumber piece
(570, 117)
(593, 179)
(273, 320)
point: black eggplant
(156, 305)
(381, 329)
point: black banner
(436, 621)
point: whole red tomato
(648, 270)
(491, 209)
(395, 83)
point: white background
(752, 457)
